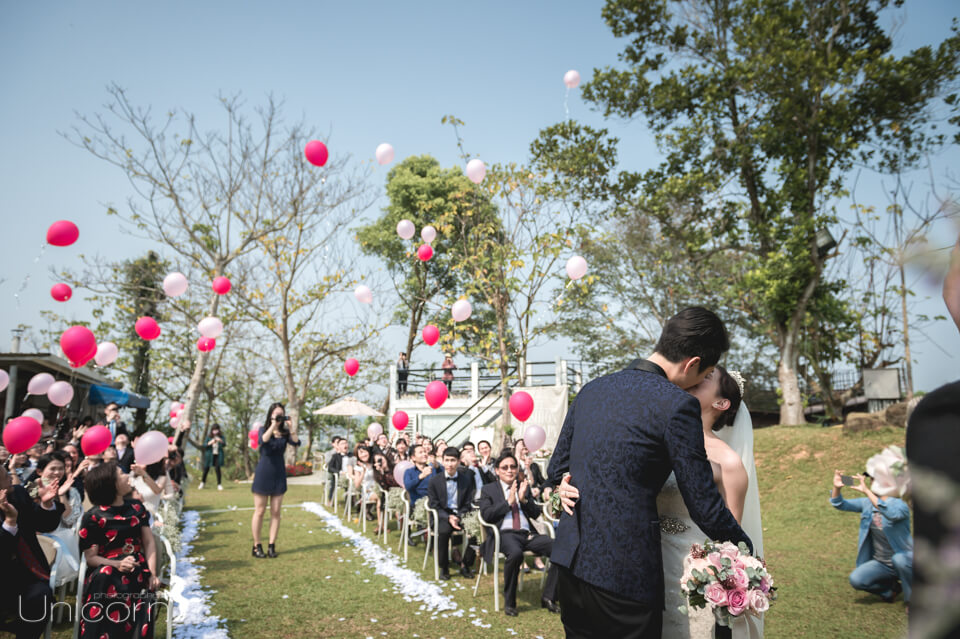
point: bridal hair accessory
(738, 378)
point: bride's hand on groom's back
(569, 494)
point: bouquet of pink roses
(728, 579)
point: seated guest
(124, 452)
(468, 464)
(451, 494)
(19, 467)
(507, 505)
(364, 482)
(416, 479)
(885, 547)
(51, 469)
(485, 456)
(24, 588)
(531, 469)
(152, 484)
(402, 448)
(383, 473)
(110, 454)
(121, 554)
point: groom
(608, 551)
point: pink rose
(730, 553)
(758, 601)
(740, 578)
(736, 601)
(715, 594)
(714, 559)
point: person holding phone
(885, 546)
(270, 481)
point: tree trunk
(196, 379)
(791, 407)
(504, 380)
(906, 332)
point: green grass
(810, 547)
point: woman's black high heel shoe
(271, 551)
(258, 551)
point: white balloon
(175, 284)
(106, 353)
(35, 413)
(476, 170)
(428, 234)
(4, 379)
(210, 327)
(406, 229)
(60, 393)
(576, 267)
(461, 310)
(39, 384)
(571, 78)
(363, 294)
(384, 153)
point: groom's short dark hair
(694, 332)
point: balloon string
(560, 298)
(26, 279)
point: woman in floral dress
(119, 592)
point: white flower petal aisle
(409, 584)
(192, 617)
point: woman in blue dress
(270, 481)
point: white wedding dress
(678, 533)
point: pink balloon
(40, 383)
(476, 170)
(534, 437)
(436, 394)
(79, 345)
(461, 310)
(405, 229)
(351, 366)
(206, 344)
(95, 440)
(170, 439)
(62, 233)
(175, 284)
(316, 152)
(60, 393)
(210, 327)
(425, 252)
(254, 438)
(400, 469)
(61, 292)
(106, 354)
(571, 78)
(147, 328)
(363, 294)
(150, 448)
(374, 430)
(221, 285)
(20, 434)
(400, 420)
(384, 154)
(576, 267)
(430, 334)
(34, 413)
(428, 234)
(174, 421)
(521, 405)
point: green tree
(761, 108)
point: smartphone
(847, 480)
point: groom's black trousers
(588, 612)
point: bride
(728, 439)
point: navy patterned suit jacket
(623, 435)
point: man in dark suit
(507, 504)
(24, 588)
(451, 494)
(125, 456)
(611, 580)
(113, 422)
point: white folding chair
(433, 525)
(391, 509)
(365, 498)
(348, 500)
(404, 525)
(485, 526)
(54, 551)
(169, 560)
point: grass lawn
(810, 548)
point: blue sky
(367, 72)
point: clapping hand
(9, 510)
(522, 493)
(65, 486)
(49, 492)
(78, 432)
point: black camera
(282, 421)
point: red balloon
(170, 439)
(254, 439)
(316, 152)
(79, 345)
(205, 344)
(351, 366)
(425, 252)
(521, 405)
(21, 433)
(62, 233)
(436, 393)
(147, 328)
(430, 334)
(95, 440)
(400, 420)
(61, 292)
(221, 285)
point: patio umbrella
(348, 407)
